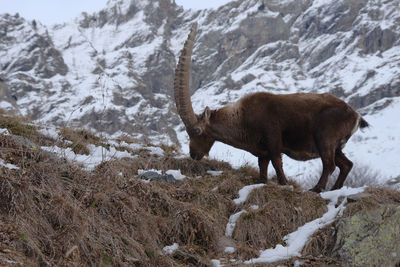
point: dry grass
(321, 243)
(54, 213)
(80, 139)
(57, 214)
(281, 211)
(20, 126)
(377, 196)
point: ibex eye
(197, 131)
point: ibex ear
(207, 113)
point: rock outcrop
(370, 237)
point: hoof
(282, 183)
(336, 187)
(316, 189)
(260, 181)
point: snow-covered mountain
(112, 71)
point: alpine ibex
(303, 126)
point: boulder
(369, 237)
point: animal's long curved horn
(181, 82)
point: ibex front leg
(263, 165)
(277, 163)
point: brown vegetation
(53, 212)
(281, 211)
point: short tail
(363, 123)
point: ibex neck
(225, 125)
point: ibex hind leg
(327, 154)
(345, 165)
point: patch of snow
(216, 263)
(97, 155)
(176, 173)
(229, 249)
(319, 3)
(157, 151)
(245, 192)
(215, 173)
(170, 249)
(289, 187)
(254, 207)
(8, 165)
(236, 157)
(5, 105)
(377, 145)
(50, 132)
(180, 156)
(232, 222)
(287, 18)
(296, 240)
(4, 131)
(132, 146)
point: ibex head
(196, 125)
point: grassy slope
(53, 212)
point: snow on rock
(296, 240)
(176, 173)
(140, 171)
(245, 192)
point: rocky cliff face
(113, 70)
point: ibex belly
(301, 155)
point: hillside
(112, 71)
(71, 198)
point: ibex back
(303, 126)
